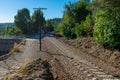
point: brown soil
(89, 46)
(36, 70)
(67, 61)
(61, 59)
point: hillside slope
(89, 46)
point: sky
(9, 8)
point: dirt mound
(36, 70)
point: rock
(37, 70)
(39, 79)
(16, 78)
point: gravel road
(27, 53)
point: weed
(16, 47)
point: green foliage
(58, 28)
(88, 25)
(67, 32)
(55, 21)
(74, 13)
(10, 31)
(6, 24)
(28, 24)
(14, 31)
(85, 28)
(67, 27)
(22, 20)
(79, 30)
(107, 26)
(37, 21)
(48, 26)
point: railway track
(81, 68)
(61, 58)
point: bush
(88, 25)
(68, 32)
(85, 28)
(107, 29)
(74, 14)
(79, 30)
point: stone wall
(7, 44)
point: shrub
(85, 28)
(79, 30)
(107, 29)
(88, 25)
(68, 32)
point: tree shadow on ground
(57, 54)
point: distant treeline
(6, 24)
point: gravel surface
(27, 53)
(72, 63)
(66, 63)
(35, 70)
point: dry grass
(8, 77)
(16, 47)
(23, 72)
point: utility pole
(40, 26)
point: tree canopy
(37, 20)
(74, 14)
(99, 18)
(29, 24)
(22, 20)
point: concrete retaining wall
(6, 45)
